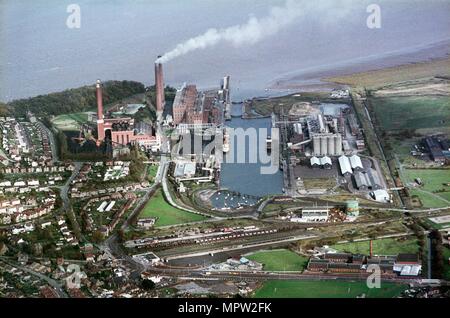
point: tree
(121, 235)
(437, 257)
(74, 100)
(97, 237)
(148, 284)
(3, 109)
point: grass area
(280, 260)
(326, 289)
(167, 214)
(428, 200)
(395, 74)
(412, 112)
(268, 105)
(434, 181)
(151, 172)
(70, 121)
(388, 246)
(319, 183)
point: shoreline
(327, 77)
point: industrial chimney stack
(159, 85)
(100, 121)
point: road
(67, 208)
(168, 195)
(362, 100)
(52, 141)
(112, 246)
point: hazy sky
(120, 39)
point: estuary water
(120, 39)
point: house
(338, 257)
(344, 268)
(407, 264)
(146, 222)
(358, 259)
(318, 265)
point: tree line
(73, 100)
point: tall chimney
(159, 85)
(100, 121)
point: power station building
(196, 107)
(122, 131)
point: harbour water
(246, 178)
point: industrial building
(367, 180)
(356, 163)
(402, 264)
(310, 215)
(327, 144)
(352, 208)
(184, 169)
(438, 148)
(122, 131)
(196, 108)
(380, 195)
(344, 164)
(362, 181)
(407, 265)
(325, 136)
(324, 162)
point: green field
(280, 260)
(434, 181)
(388, 246)
(70, 121)
(398, 113)
(325, 289)
(151, 172)
(167, 214)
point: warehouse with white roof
(356, 163)
(344, 164)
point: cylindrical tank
(323, 146)
(331, 147)
(352, 208)
(316, 145)
(338, 145)
(321, 123)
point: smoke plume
(254, 30)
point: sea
(120, 39)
